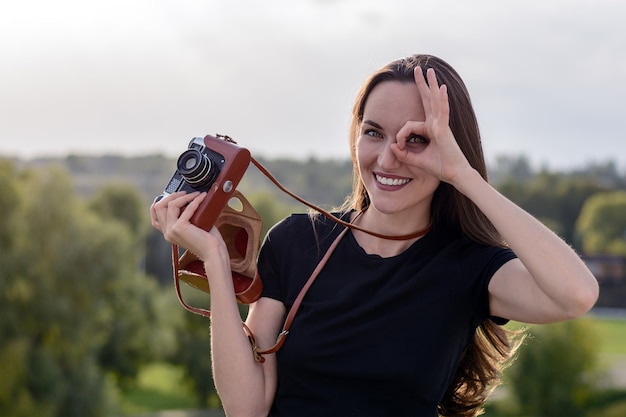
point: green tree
(158, 259)
(59, 266)
(555, 199)
(270, 209)
(556, 369)
(8, 208)
(124, 203)
(571, 195)
(194, 348)
(142, 327)
(140, 338)
(325, 183)
(17, 383)
(602, 223)
(69, 281)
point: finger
(431, 76)
(193, 205)
(434, 90)
(445, 103)
(171, 196)
(182, 199)
(178, 205)
(158, 209)
(161, 204)
(409, 128)
(422, 88)
(154, 218)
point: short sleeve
(493, 258)
(269, 261)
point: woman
(390, 327)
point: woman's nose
(387, 159)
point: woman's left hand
(442, 157)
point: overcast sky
(131, 77)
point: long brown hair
(480, 368)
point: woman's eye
(417, 139)
(373, 133)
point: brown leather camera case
(241, 231)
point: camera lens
(196, 168)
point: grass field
(160, 387)
(612, 336)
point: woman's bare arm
(246, 387)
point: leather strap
(258, 352)
(175, 265)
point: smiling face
(393, 187)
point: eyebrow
(372, 123)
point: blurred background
(97, 100)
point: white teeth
(391, 181)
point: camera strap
(258, 352)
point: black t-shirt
(374, 336)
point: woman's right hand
(159, 209)
(171, 216)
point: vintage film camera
(212, 165)
(215, 165)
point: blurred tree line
(559, 198)
(79, 317)
(86, 284)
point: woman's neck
(391, 225)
